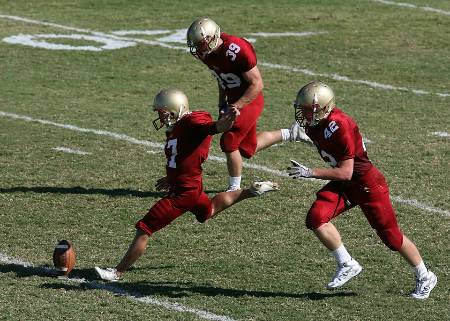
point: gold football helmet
(314, 102)
(171, 105)
(203, 37)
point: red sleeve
(201, 122)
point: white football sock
(341, 255)
(285, 134)
(235, 181)
(420, 270)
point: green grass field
(389, 66)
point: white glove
(298, 170)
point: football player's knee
(391, 237)
(227, 142)
(313, 221)
(205, 214)
(202, 218)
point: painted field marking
(123, 137)
(85, 130)
(179, 32)
(135, 296)
(419, 205)
(155, 152)
(31, 40)
(441, 134)
(95, 33)
(337, 77)
(413, 6)
(286, 34)
(70, 150)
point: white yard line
(265, 64)
(413, 203)
(419, 205)
(135, 296)
(84, 130)
(337, 77)
(70, 150)
(413, 6)
(441, 134)
(285, 34)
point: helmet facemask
(165, 118)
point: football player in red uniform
(355, 181)
(232, 61)
(189, 136)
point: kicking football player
(189, 136)
(232, 61)
(355, 181)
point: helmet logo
(315, 100)
(315, 103)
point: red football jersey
(337, 138)
(186, 148)
(234, 57)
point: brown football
(64, 257)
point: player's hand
(162, 184)
(231, 114)
(298, 170)
(238, 107)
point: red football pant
(167, 209)
(372, 196)
(242, 136)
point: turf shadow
(177, 290)
(170, 289)
(48, 271)
(27, 271)
(115, 192)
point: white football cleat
(424, 286)
(108, 274)
(344, 273)
(259, 188)
(298, 134)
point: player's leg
(135, 251)
(160, 215)
(410, 252)
(206, 208)
(268, 138)
(234, 166)
(426, 280)
(381, 216)
(240, 141)
(329, 204)
(347, 266)
(222, 201)
(329, 236)
(294, 134)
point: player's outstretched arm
(343, 171)
(227, 120)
